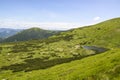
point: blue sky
(56, 14)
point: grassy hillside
(88, 53)
(29, 34)
(103, 66)
(103, 34)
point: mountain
(87, 53)
(29, 34)
(7, 32)
(104, 34)
(1, 39)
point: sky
(56, 14)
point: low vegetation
(88, 53)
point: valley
(87, 53)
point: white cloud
(96, 18)
(10, 23)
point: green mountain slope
(102, 34)
(105, 66)
(87, 53)
(29, 34)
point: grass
(63, 57)
(101, 67)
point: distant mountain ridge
(29, 34)
(7, 32)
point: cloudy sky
(56, 14)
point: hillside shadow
(38, 63)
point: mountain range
(29, 34)
(7, 32)
(87, 53)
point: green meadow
(86, 53)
